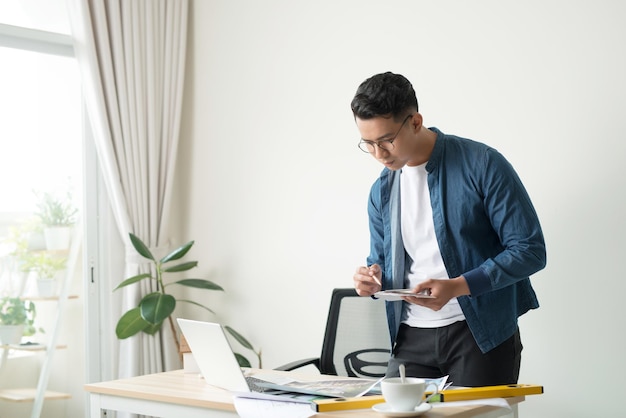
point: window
(41, 151)
(40, 111)
(40, 127)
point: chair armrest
(300, 363)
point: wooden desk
(176, 394)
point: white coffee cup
(404, 397)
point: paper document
(499, 402)
(349, 387)
(335, 388)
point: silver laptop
(214, 356)
(218, 365)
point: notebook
(218, 365)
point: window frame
(36, 40)
(97, 219)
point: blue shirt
(486, 227)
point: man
(448, 216)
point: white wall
(273, 188)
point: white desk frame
(99, 402)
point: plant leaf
(141, 247)
(132, 280)
(181, 267)
(199, 283)
(195, 303)
(240, 338)
(177, 253)
(243, 362)
(152, 329)
(130, 324)
(155, 307)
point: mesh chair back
(356, 341)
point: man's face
(387, 140)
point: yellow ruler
(484, 392)
(448, 395)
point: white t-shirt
(420, 243)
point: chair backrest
(356, 341)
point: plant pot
(36, 241)
(46, 287)
(57, 237)
(11, 334)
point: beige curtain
(131, 55)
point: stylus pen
(375, 278)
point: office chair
(356, 341)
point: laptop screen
(213, 354)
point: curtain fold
(131, 56)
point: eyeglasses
(384, 144)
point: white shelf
(29, 347)
(39, 394)
(29, 395)
(52, 298)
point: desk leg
(94, 406)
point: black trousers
(452, 350)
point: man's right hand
(367, 280)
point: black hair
(385, 94)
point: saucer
(386, 410)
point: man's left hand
(442, 291)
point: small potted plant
(17, 318)
(57, 215)
(18, 243)
(45, 266)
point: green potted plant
(158, 306)
(57, 215)
(45, 265)
(17, 318)
(17, 242)
(24, 236)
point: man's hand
(367, 280)
(442, 289)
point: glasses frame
(373, 144)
